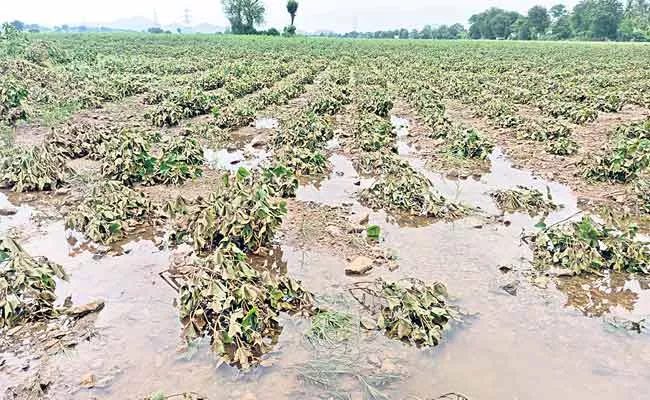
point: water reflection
(617, 294)
(232, 160)
(266, 123)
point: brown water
(553, 343)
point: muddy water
(540, 344)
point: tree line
(589, 20)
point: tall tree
(456, 30)
(538, 19)
(558, 11)
(18, 25)
(492, 23)
(636, 21)
(292, 8)
(562, 28)
(597, 19)
(427, 32)
(244, 14)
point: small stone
(340, 173)
(357, 183)
(359, 266)
(368, 324)
(505, 268)
(7, 211)
(85, 309)
(561, 272)
(452, 174)
(62, 191)
(356, 229)
(333, 230)
(248, 396)
(364, 220)
(104, 382)
(88, 381)
(511, 288)
(260, 140)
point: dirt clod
(359, 266)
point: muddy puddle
(231, 160)
(553, 343)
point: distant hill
(131, 24)
(142, 24)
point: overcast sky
(336, 15)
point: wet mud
(543, 338)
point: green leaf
(373, 232)
(540, 225)
(243, 173)
(114, 227)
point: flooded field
(371, 198)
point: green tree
(492, 23)
(292, 8)
(539, 19)
(558, 11)
(456, 31)
(562, 28)
(18, 25)
(635, 24)
(289, 30)
(427, 32)
(501, 26)
(244, 15)
(521, 29)
(597, 19)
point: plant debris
(588, 246)
(642, 193)
(280, 180)
(37, 168)
(223, 297)
(467, 143)
(625, 161)
(109, 211)
(27, 285)
(237, 211)
(329, 329)
(409, 192)
(373, 133)
(409, 310)
(532, 201)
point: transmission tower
(187, 17)
(155, 18)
